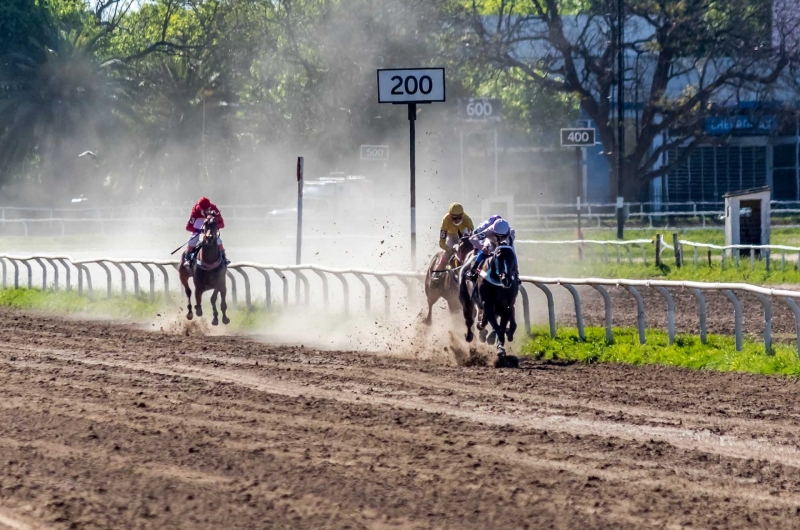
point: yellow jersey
(449, 228)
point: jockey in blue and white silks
(488, 235)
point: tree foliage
(682, 57)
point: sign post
(411, 86)
(479, 110)
(299, 210)
(579, 139)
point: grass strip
(129, 308)
(719, 353)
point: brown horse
(446, 286)
(208, 273)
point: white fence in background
(529, 216)
(634, 248)
(410, 282)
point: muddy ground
(108, 425)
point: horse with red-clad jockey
(200, 212)
(204, 260)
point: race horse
(494, 291)
(208, 273)
(446, 286)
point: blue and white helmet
(501, 227)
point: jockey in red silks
(200, 211)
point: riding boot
(224, 257)
(477, 265)
(190, 256)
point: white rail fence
(411, 282)
(635, 248)
(536, 217)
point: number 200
(412, 85)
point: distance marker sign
(577, 137)
(412, 85)
(374, 152)
(480, 109)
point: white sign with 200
(417, 85)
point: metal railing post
(737, 317)
(526, 310)
(796, 310)
(234, 298)
(639, 312)
(670, 313)
(767, 305)
(152, 275)
(608, 320)
(578, 311)
(551, 308)
(701, 313)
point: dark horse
(208, 273)
(497, 287)
(446, 286)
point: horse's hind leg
(198, 301)
(215, 320)
(431, 301)
(223, 305)
(188, 291)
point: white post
(299, 209)
(496, 192)
(461, 146)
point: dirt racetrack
(108, 425)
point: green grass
(71, 302)
(116, 307)
(551, 260)
(718, 354)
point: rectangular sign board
(374, 152)
(577, 137)
(480, 109)
(411, 85)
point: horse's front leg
(500, 330)
(223, 305)
(198, 301)
(215, 320)
(468, 308)
(512, 325)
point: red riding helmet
(204, 203)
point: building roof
(750, 191)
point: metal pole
(620, 114)
(300, 163)
(461, 150)
(496, 186)
(579, 193)
(412, 117)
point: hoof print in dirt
(507, 361)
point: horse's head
(210, 230)
(462, 248)
(504, 266)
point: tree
(681, 57)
